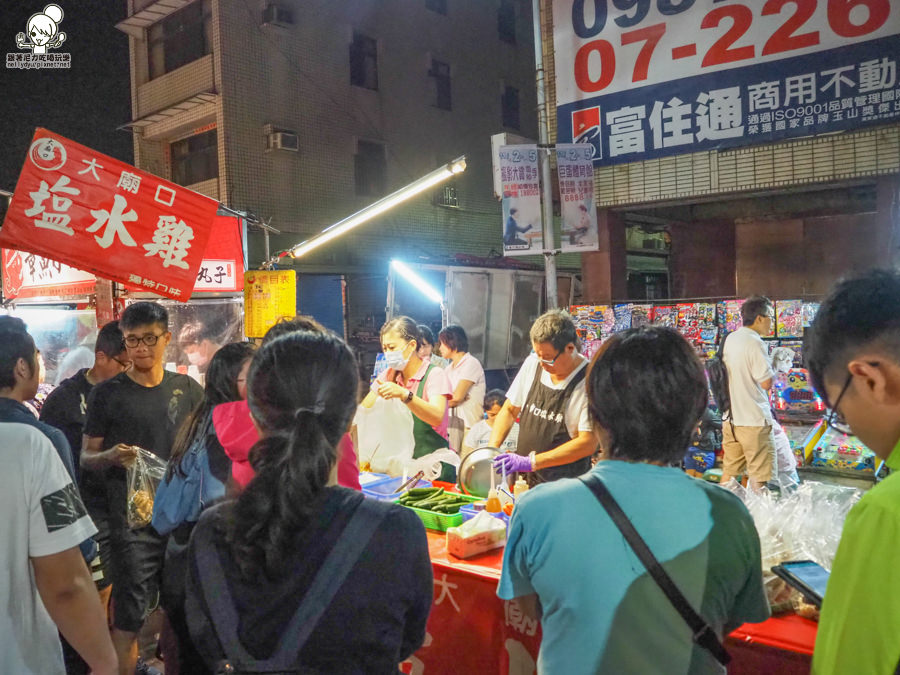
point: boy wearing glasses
(748, 441)
(548, 396)
(853, 353)
(141, 407)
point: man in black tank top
(548, 397)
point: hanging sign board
(521, 200)
(103, 216)
(222, 268)
(646, 79)
(575, 169)
(268, 296)
(26, 275)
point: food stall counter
(471, 630)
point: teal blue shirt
(602, 612)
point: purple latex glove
(511, 463)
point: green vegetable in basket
(421, 493)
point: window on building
(364, 61)
(195, 159)
(506, 21)
(440, 75)
(447, 196)
(180, 38)
(439, 6)
(370, 169)
(509, 102)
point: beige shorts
(749, 450)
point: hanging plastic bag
(385, 436)
(143, 477)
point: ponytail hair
(302, 394)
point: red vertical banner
(95, 213)
(471, 630)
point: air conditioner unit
(277, 15)
(283, 140)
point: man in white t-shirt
(548, 397)
(45, 583)
(748, 439)
(480, 434)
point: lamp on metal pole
(427, 181)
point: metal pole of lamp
(544, 156)
(405, 193)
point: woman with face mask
(420, 385)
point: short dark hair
(556, 327)
(110, 340)
(12, 323)
(286, 325)
(647, 389)
(426, 334)
(757, 305)
(859, 312)
(454, 337)
(15, 344)
(494, 397)
(144, 314)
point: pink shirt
(436, 385)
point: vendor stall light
(404, 270)
(427, 181)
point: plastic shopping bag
(385, 436)
(143, 477)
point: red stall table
(471, 630)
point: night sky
(85, 103)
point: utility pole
(544, 151)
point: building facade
(303, 112)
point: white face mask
(396, 360)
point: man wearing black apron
(555, 437)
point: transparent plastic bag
(804, 523)
(143, 476)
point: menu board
(268, 296)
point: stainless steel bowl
(475, 472)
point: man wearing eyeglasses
(748, 440)
(142, 407)
(548, 396)
(852, 350)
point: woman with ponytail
(254, 560)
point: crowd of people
(283, 564)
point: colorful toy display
(641, 315)
(789, 318)
(793, 398)
(842, 451)
(665, 315)
(622, 315)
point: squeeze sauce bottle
(493, 502)
(520, 488)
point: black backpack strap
(703, 634)
(328, 580)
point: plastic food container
(384, 490)
(441, 521)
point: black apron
(542, 427)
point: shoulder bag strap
(703, 634)
(343, 557)
(328, 580)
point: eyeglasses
(150, 339)
(126, 365)
(835, 420)
(551, 361)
